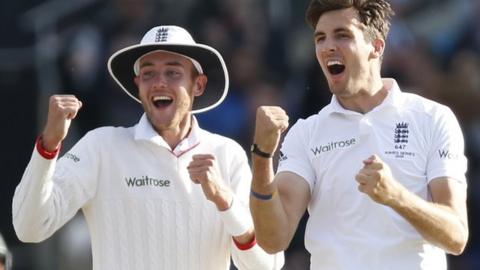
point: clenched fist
(203, 170)
(270, 123)
(375, 179)
(61, 110)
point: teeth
(161, 98)
(334, 62)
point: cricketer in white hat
(124, 64)
(164, 187)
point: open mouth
(162, 101)
(335, 67)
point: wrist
(257, 150)
(223, 201)
(398, 199)
(49, 144)
(236, 219)
(44, 151)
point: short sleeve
(446, 156)
(294, 155)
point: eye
(343, 36)
(147, 74)
(319, 39)
(173, 73)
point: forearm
(30, 202)
(269, 216)
(437, 223)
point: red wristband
(43, 152)
(245, 246)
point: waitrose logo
(146, 181)
(333, 146)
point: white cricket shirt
(142, 209)
(419, 139)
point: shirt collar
(145, 131)
(392, 99)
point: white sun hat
(123, 65)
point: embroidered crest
(400, 140)
(162, 34)
(401, 133)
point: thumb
(371, 159)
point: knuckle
(54, 102)
(262, 109)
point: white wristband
(236, 219)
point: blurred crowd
(62, 47)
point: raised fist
(270, 123)
(61, 110)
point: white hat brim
(120, 66)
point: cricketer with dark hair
(381, 171)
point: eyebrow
(336, 31)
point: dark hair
(374, 14)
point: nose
(328, 45)
(160, 81)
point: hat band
(136, 65)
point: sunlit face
(348, 60)
(167, 89)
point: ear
(378, 47)
(199, 85)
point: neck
(175, 135)
(366, 98)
